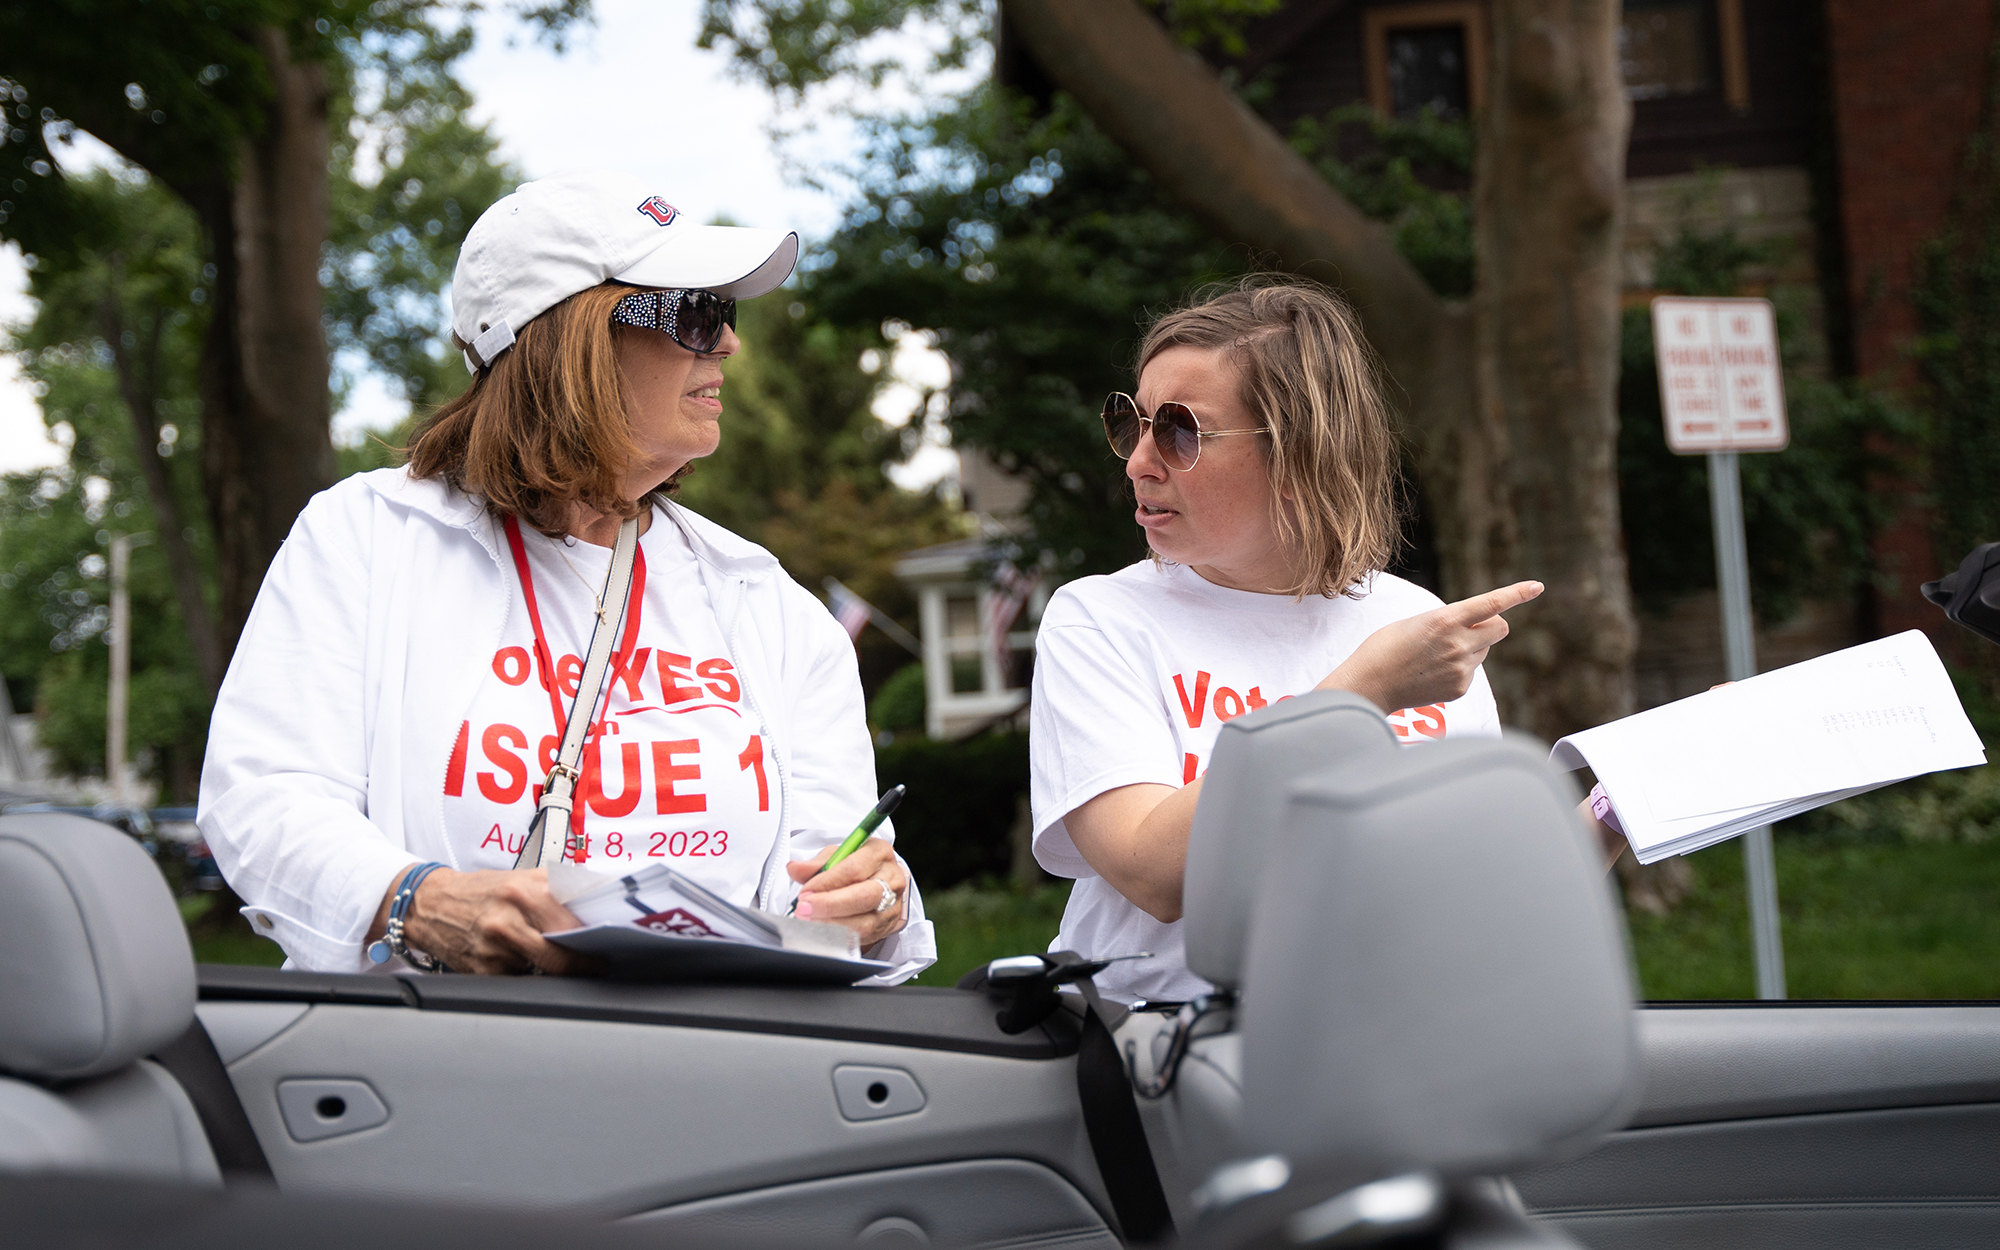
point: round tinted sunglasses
(694, 319)
(1177, 432)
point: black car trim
(920, 1017)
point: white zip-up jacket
(367, 643)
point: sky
(632, 92)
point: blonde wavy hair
(1311, 378)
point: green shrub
(962, 799)
(899, 705)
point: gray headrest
(1257, 758)
(95, 969)
(1439, 978)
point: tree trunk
(1226, 165)
(1508, 404)
(138, 385)
(267, 445)
(1549, 188)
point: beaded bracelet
(391, 942)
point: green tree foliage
(793, 46)
(1808, 512)
(1027, 242)
(1411, 175)
(131, 251)
(395, 234)
(232, 106)
(178, 85)
(1033, 248)
(800, 466)
(143, 281)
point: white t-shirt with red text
(673, 771)
(1135, 673)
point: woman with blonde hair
(519, 650)
(1264, 469)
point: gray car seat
(1257, 758)
(96, 974)
(1243, 797)
(1440, 990)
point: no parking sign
(1721, 388)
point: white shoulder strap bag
(539, 850)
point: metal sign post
(1739, 651)
(1721, 392)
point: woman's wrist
(416, 922)
(394, 940)
(1358, 678)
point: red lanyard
(545, 659)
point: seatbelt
(1103, 1085)
(192, 1060)
(1117, 1135)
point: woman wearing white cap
(399, 708)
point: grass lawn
(1860, 921)
(976, 926)
(1873, 920)
(236, 943)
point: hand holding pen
(858, 883)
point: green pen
(852, 842)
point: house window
(1684, 47)
(1663, 47)
(1427, 71)
(1426, 56)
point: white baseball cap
(556, 236)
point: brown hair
(545, 425)
(1311, 378)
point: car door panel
(1798, 1125)
(624, 1115)
(975, 1204)
(1710, 1063)
(239, 1028)
(1790, 1226)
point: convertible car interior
(1424, 1033)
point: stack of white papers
(1705, 769)
(661, 925)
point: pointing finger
(1492, 603)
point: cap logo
(660, 211)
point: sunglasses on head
(694, 319)
(1177, 432)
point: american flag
(850, 609)
(1011, 588)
